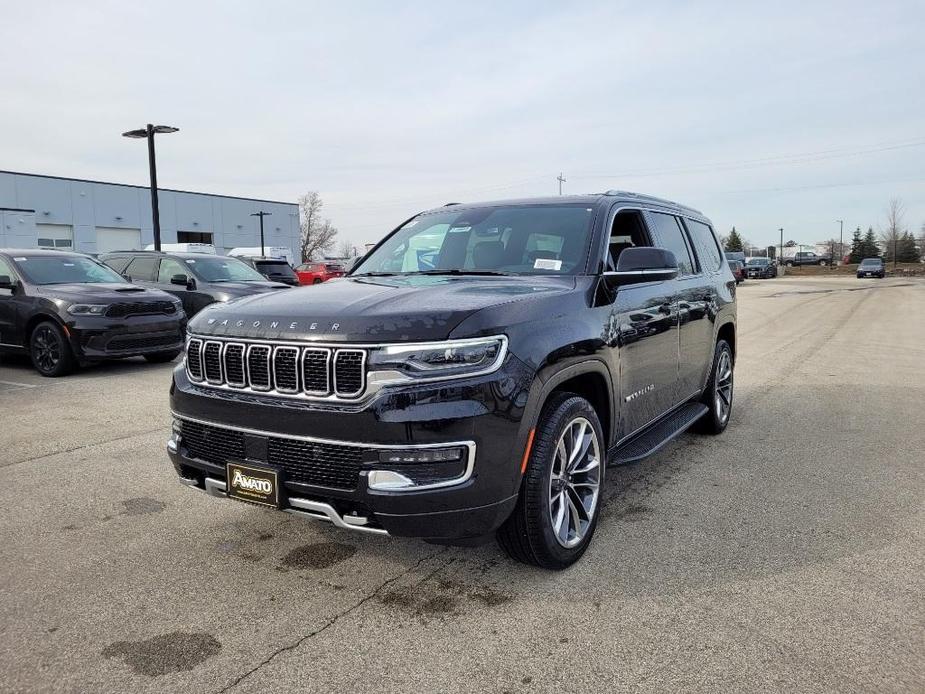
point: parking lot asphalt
(786, 554)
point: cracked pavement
(786, 554)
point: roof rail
(650, 198)
(450, 204)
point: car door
(642, 333)
(698, 327)
(10, 322)
(166, 271)
(695, 297)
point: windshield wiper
(459, 272)
(379, 274)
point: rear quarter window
(705, 244)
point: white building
(95, 217)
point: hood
(378, 309)
(235, 289)
(101, 292)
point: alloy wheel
(574, 483)
(46, 348)
(723, 386)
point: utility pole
(780, 259)
(561, 180)
(841, 241)
(261, 214)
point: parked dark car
(473, 374)
(806, 258)
(66, 309)
(871, 267)
(760, 268)
(738, 270)
(274, 269)
(197, 279)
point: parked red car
(316, 273)
(738, 270)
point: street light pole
(148, 132)
(780, 258)
(561, 180)
(261, 214)
(841, 240)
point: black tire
(316, 281)
(162, 357)
(51, 351)
(717, 418)
(528, 535)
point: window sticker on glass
(20, 260)
(190, 261)
(459, 230)
(547, 264)
(68, 264)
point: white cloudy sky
(761, 114)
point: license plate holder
(255, 484)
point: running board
(649, 440)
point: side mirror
(126, 278)
(642, 264)
(181, 280)
(6, 282)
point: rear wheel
(717, 396)
(557, 511)
(162, 357)
(317, 280)
(50, 350)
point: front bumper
(303, 439)
(98, 337)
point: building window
(194, 237)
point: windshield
(66, 270)
(531, 240)
(871, 261)
(275, 268)
(212, 269)
(759, 261)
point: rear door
(694, 295)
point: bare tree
(318, 234)
(345, 249)
(894, 227)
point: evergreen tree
(857, 253)
(869, 246)
(906, 252)
(734, 242)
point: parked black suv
(66, 309)
(274, 269)
(197, 279)
(472, 374)
(760, 268)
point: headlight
(87, 309)
(433, 360)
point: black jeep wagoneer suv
(475, 373)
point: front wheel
(50, 350)
(557, 510)
(717, 396)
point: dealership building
(94, 217)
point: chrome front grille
(314, 372)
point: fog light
(421, 455)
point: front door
(10, 328)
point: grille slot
(212, 362)
(286, 369)
(141, 341)
(349, 365)
(234, 365)
(258, 367)
(194, 360)
(315, 371)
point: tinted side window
(671, 237)
(705, 243)
(5, 270)
(141, 269)
(169, 268)
(117, 264)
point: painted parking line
(16, 384)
